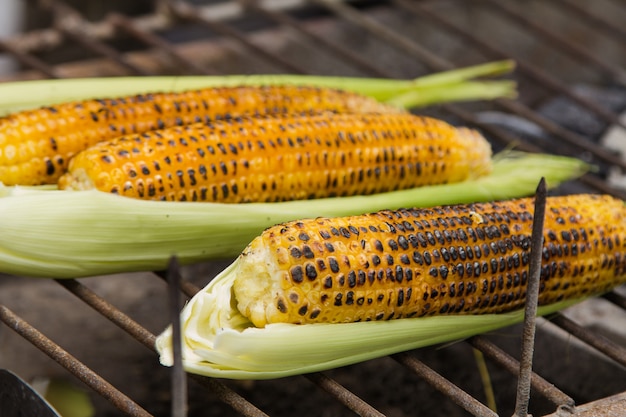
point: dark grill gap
(225, 27)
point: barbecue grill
(572, 76)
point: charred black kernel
(316, 312)
(105, 158)
(307, 252)
(311, 272)
(297, 274)
(329, 247)
(280, 305)
(492, 285)
(400, 299)
(351, 279)
(427, 258)
(360, 301)
(431, 238)
(393, 245)
(50, 169)
(422, 240)
(344, 232)
(328, 282)
(433, 272)
(566, 236)
(408, 274)
(389, 259)
(380, 298)
(444, 308)
(334, 266)
(477, 252)
(338, 298)
(434, 293)
(560, 220)
(443, 271)
(375, 260)
(303, 237)
(452, 290)
(418, 258)
(349, 298)
(293, 297)
(225, 190)
(378, 245)
(321, 265)
(460, 269)
(403, 243)
(462, 253)
(404, 259)
(324, 234)
(296, 253)
(380, 316)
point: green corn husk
(454, 85)
(66, 234)
(218, 341)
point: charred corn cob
(282, 158)
(463, 259)
(36, 145)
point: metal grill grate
(558, 45)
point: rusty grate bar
(595, 340)
(149, 38)
(598, 22)
(69, 362)
(506, 361)
(147, 339)
(343, 395)
(188, 12)
(513, 106)
(563, 44)
(315, 40)
(29, 60)
(441, 384)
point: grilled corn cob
(282, 158)
(36, 145)
(463, 259)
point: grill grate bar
(595, 340)
(188, 12)
(69, 362)
(318, 41)
(149, 38)
(441, 384)
(517, 107)
(343, 395)
(506, 361)
(532, 71)
(599, 22)
(617, 299)
(103, 307)
(147, 339)
(560, 42)
(29, 60)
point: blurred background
(571, 75)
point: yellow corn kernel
(36, 145)
(422, 262)
(280, 158)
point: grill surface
(571, 77)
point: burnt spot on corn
(379, 260)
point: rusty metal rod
(343, 395)
(514, 106)
(73, 365)
(532, 299)
(506, 361)
(103, 307)
(441, 384)
(532, 71)
(595, 340)
(188, 12)
(316, 40)
(127, 25)
(563, 44)
(599, 22)
(147, 339)
(617, 299)
(29, 60)
(178, 376)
